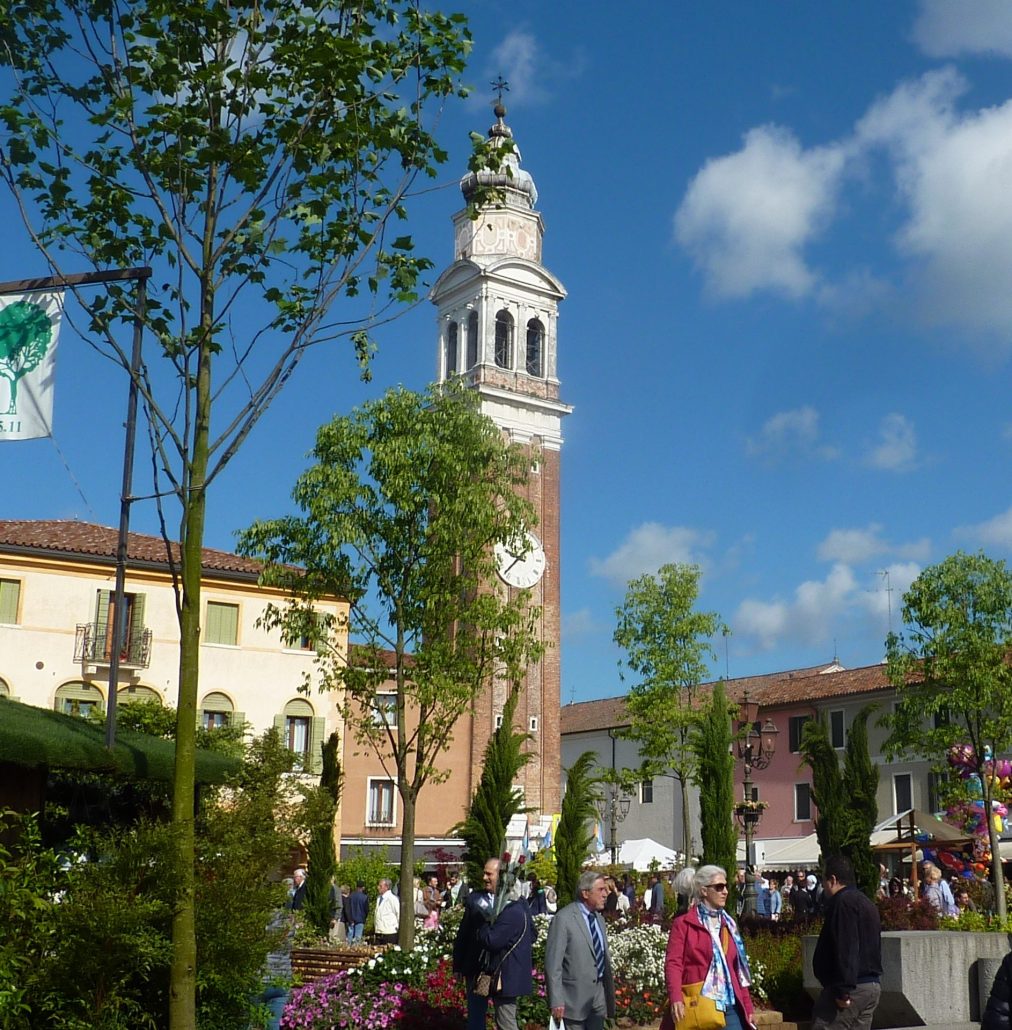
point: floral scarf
(718, 985)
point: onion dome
(517, 185)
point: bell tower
(498, 322)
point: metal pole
(748, 903)
(614, 827)
(125, 499)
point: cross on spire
(500, 85)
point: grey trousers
(863, 1001)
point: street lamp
(617, 808)
(756, 744)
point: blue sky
(786, 233)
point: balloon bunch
(970, 815)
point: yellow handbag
(701, 1013)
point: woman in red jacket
(706, 949)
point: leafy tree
(25, 336)
(402, 509)
(322, 853)
(711, 742)
(951, 672)
(496, 800)
(574, 833)
(257, 157)
(667, 646)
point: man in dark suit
(508, 944)
(578, 973)
(466, 948)
(299, 895)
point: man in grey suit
(578, 973)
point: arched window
(302, 732)
(535, 348)
(217, 711)
(504, 339)
(79, 698)
(5, 691)
(128, 695)
(472, 339)
(451, 349)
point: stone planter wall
(928, 976)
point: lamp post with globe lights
(756, 744)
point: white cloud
(858, 546)
(896, 447)
(821, 610)
(809, 616)
(945, 28)
(580, 623)
(650, 546)
(954, 173)
(787, 433)
(993, 532)
(531, 73)
(746, 217)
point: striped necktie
(595, 937)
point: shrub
(337, 1003)
(901, 913)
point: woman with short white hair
(706, 965)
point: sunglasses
(717, 887)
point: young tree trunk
(183, 968)
(683, 783)
(997, 874)
(406, 931)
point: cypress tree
(496, 800)
(712, 742)
(828, 795)
(860, 787)
(322, 805)
(573, 835)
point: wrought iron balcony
(93, 643)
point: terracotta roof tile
(771, 689)
(65, 537)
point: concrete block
(929, 977)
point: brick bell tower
(498, 319)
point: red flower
(521, 860)
(506, 856)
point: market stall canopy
(640, 854)
(800, 853)
(898, 832)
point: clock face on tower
(521, 563)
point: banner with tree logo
(29, 330)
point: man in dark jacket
(509, 944)
(356, 908)
(997, 1014)
(848, 955)
(467, 952)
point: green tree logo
(25, 335)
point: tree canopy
(950, 667)
(258, 158)
(667, 645)
(400, 514)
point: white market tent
(641, 853)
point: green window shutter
(317, 728)
(279, 725)
(238, 719)
(102, 609)
(10, 594)
(222, 623)
(136, 625)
